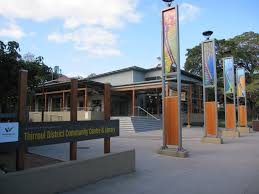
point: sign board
(209, 63)
(240, 82)
(9, 132)
(67, 131)
(229, 75)
(170, 43)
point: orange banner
(171, 120)
(242, 116)
(211, 111)
(230, 116)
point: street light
(207, 34)
(169, 2)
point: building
(135, 92)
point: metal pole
(180, 147)
(215, 88)
(238, 114)
(234, 97)
(245, 98)
(225, 97)
(204, 91)
(163, 82)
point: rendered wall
(67, 175)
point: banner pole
(163, 82)
(180, 147)
(234, 96)
(204, 92)
(225, 97)
(215, 88)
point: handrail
(147, 112)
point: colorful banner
(170, 44)
(208, 63)
(229, 75)
(241, 82)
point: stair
(138, 124)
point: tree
(10, 64)
(244, 48)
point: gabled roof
(140, 69)
(136, 68)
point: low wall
(65, 116)
(67, 175)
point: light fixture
(207, 34)
(169, 2)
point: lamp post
(171, 124)
(169, 2)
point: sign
(208, 63)
(9, 132)
(170, 43)
(67, 131)
(240, 82)
(229, 75)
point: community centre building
(135, 93)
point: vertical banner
(240, 82)
(170, 43)
(209, 81)
(229, 75)
(209, 64)
(241, 93)
(229, 88)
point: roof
(60, 79)
(51, 86)
(119, 71)
(136, 68)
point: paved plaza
(230, 168)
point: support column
(43, 105)
(85, 99)
(158, 104)
(133, 102)
(22, 93)
(200, 99)
(166, 90)
(45, 102)
(73, 115)
(189, 107)
(63, 101)
(107, 114)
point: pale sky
(96, 36)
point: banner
(229, 75)
(208, 63)
(170, 44)
(240, 82)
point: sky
(97, 36)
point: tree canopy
(245, 50)
(11, 62)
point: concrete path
(230, 168)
